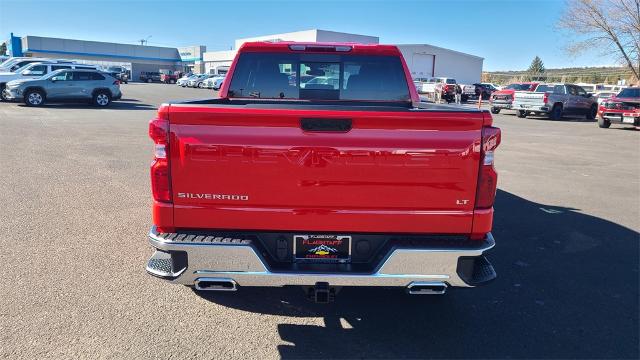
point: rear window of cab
(319, 77)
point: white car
(493, 85)
(13, 64)
(195, 79)
(184, 80)
(214, 82)
(604, 95)
(35, 71)
(199, 82)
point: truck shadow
(565, 118)
(567, 287)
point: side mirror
(589, 95)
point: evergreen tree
(536, 69)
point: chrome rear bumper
(186, 259)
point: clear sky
(507, 33)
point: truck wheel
(602, 123)
(495, 110)
(34, 98)
(592, 112)
(556, 112)
(521, 114)
(101, 98)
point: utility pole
(144, 41)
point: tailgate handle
(318, 124)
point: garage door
(421, 65)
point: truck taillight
(487, 176)
(545, 98)
(117, 82)
(160, 169)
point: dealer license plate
(628, 120)
(330, 248)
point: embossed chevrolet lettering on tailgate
(311, 156)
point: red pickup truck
(502, 99)
(319, 167)
(623, 108)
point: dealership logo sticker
(322, 250)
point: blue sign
(14, 46)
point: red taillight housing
(117, 82)
(545, 98)
(160, 170)
(487, 176)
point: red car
(349, 181)
(623, 108)
(502, 99)
(169, 76)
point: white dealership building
(424, 60)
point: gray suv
(66, 85)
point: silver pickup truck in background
(555, 101)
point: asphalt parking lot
(75, 192)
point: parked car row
(119, 72)
(51, 80)
(202, 81)
(445, 88)
(558, 100)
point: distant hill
(596, 75)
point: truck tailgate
(527, 99)
(408, 171)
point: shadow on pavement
(566, 118)
(567, 287)
(124, 104)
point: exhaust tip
(427, 288)
(215, 284)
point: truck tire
(603, 124)
(101, 98)
(34, 97)
(593, 112)
(521, 114)
(495, 110)
(556, 112)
